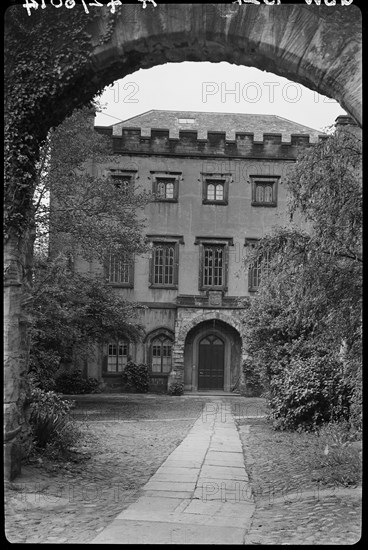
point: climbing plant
(46, 58)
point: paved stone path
(200, 495)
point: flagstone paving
(202, 483)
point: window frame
(162, 337)
(169, 177)
(257, 266)
(263, 181)
(129, 263)
(215, 179)
(117, 343)
(213, 242)
(115, 173)
(165, 242)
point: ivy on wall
(47, 60)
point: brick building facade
(218, 181)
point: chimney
(343, 120)
(347, 123)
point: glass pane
(111, 364)
(259, 193)
(169, 265)
(205, 342)
(169, 190)
(161, 354)
(255, 275)
(119, 269)
(156, 351)
(122, 361)
(218, 267)
(166, 364)
(156, 365)
(208, 266)
(217, 342)
(158, 265)
(211, 192)
(268, 193)
(219, 192)
(161, 188)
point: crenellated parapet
(192, 143)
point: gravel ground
(130, 436)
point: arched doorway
(212, 356)
(211, 351)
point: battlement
(189, 142)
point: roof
(203, 122)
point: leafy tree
(79, 212)
(71, 313)
(77, 208)
(307, 312)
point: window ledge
(164, 287)
(216, 288)
(112, 374)
(165, 200)
(267, 204)
(121, 285)
(208, 201)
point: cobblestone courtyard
(129, 437)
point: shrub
(177, 388)
(43, 365)
(136, 377)
(308, 392)
(254, 385)
(52, 428)
(72, 382)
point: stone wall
(188, 318)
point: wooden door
(211, 363)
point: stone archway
(188, 321)
(223, 368)
(317, 46)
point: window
(165, 186)
(264, 190)
(164, 261)
(161, 356)
(120, 270)
(215, 188)
(213, 263)
(213, 266)
(256, 270)
(117, 356)
(123, 180)
(215, 191)
(163, 264)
